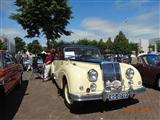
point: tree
(19, 44)
(151, 47)
(2, 47)
(102, 45)
(43, 17)
(158, 47)
(133, 47)
(121, 44)
(109, 44)
(83, 42)
(34, 47)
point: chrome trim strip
(87, 97)
(102, 96)
(136, 91)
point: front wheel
(72, 105)
(68, 101)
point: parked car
(149, 68)
(10, 73)
(83, 75)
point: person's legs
(46, 72)
(29, 67)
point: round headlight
(129, 73)
(92, 75)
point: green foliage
(109, 45)
(34, 47)
(2, 47)
(158, 46)
(19, 44)
(102, 45)
(133, 46)
(151, 47)
(43, 17)
(121, 44)
(84, 42)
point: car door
(146, 70)
(11, 72)
(57, 70)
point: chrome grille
(111, 73)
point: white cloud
(79, 34)
(12, 32)
(98, 24)
(143, 26)
(125, 4)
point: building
(154, 42)
(9, 44)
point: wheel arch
(156, 79)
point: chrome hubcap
(68, 100)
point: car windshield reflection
(82, 53)
(152, 59)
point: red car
(10, 72)
(149, 68)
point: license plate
(117, 96)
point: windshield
(81, 52)
(152, 59)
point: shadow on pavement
(150, 86)
(12, 102)
(100, 106)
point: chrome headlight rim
(92, 75)
(130, 73)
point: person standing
(133, 58)
(19, 57)
(47, 65)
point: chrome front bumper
(136, 91)
(102, 96)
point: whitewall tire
(67, 98)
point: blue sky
(96, 19)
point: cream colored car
(84, 75)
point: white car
(84, 75)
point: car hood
(110, 70)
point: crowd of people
(30, 62)
(49, 55)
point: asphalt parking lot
(37, 100)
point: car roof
(146, 54)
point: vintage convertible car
(149, 68)
(83, 75)
(10, 73)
